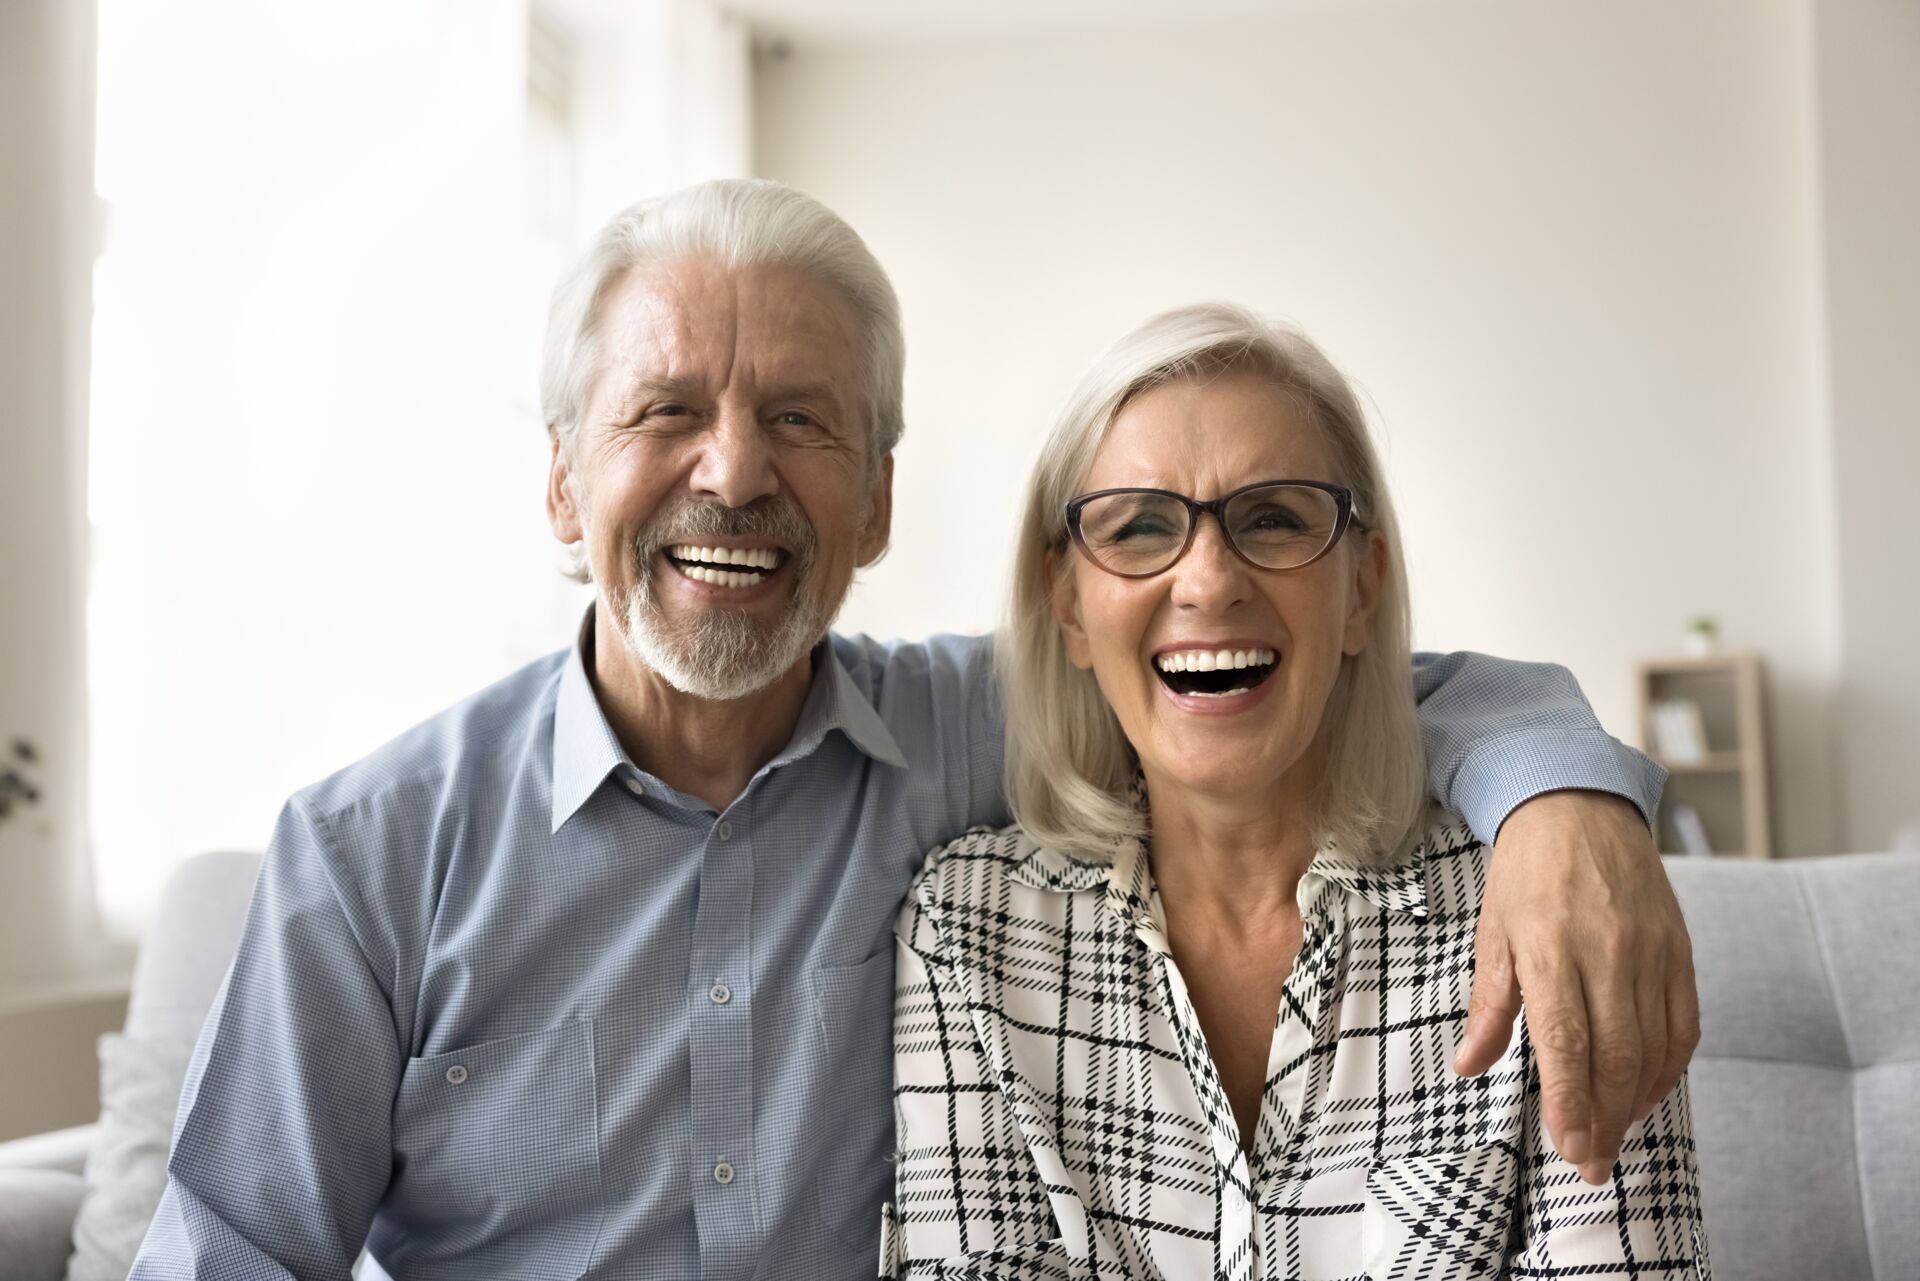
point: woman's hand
(1578, 916)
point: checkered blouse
(1060, 1117)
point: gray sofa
(1806, 1087)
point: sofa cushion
(36, 1221)
(1809, 1063)
(189, 945)
(140, 1079)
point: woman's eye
(668, 411)
(1277, 518)
(1139, 527)
(795, 418)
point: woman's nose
(1211, 575)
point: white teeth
(1205, 660)
(721, 577)
(753, 557)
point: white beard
(722, 654)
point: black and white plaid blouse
(1060, 1117)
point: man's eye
(795, 418)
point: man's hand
(1579, 916)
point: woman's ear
(1369, 573)
(1065, 594)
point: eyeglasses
(1272, 524)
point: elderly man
(591, 975)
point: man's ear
(1065, 594)
(879, 527)
(563, 514)
(1369, 574)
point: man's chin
(720, 654)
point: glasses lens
(1134, 533)
(1280, 526)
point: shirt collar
(1397, 884)
(586, 750)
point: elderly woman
(1190, 1016)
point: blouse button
(456, 1075)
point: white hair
(1070, 767)
(740, 223)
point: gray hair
(1069, 765)
(739, 222)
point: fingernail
(1641, 1113)
(1578, 1148)
(1596, 1172)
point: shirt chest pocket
(497, 1159)
(1450, 1215)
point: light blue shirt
(507, 1006)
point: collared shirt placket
(1133, 899)
(724, 1175)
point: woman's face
(1202, 439)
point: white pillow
(140, 1079)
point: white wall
(1570, 249)
(1869, 62)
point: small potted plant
(15, 787)
(1702, 638)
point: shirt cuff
(1501, 775)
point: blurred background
(1632, 288)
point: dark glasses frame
(1346, 518)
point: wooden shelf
(1727, 787)
(1711, 763)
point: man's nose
(736, 462)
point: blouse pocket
(1445, 1215)
(497, 1158)
(855, 1005)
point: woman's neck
(1234, 860)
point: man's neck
(705, 748)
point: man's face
(720, 476)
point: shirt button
(719, 994)
(635, 786)
(456, 1075)
(723, 1174)
(725, 830)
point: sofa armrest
(62, 1150)
(37, 1209)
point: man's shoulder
(487, 729)
(878, 666)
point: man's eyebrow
(642, 388)
(802, 391)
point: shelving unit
(1727, 786)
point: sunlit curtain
(316, 457)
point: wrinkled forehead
(704, 324)
(1205, 434)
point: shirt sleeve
(1498, 733)
(282, 1146)
(1643, 1222)
(968, 1198)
